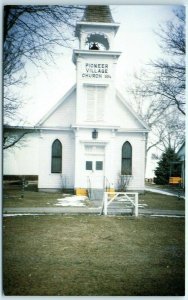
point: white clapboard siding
(50, 180)
(113, 154)
(64, 114)
(22, 159)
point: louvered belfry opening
(97, 13)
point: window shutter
(90, 104)
(95, 103)
(100, 104)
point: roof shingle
(97, 13)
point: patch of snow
(95, 207)
(142, 205)
(71, 201)
(163, 192)
(22, 214)
(160, 192)
(124, 200)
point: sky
(135, 39)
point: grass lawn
(164, 187)
(93, 255)
(160, 201)
(12, 198)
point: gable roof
(53, 109)
(73, 89)
(181, 147)
(131, 110)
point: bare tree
(167, 124)
(159, 90)
(35, 34)
(169, 132)
(166, 78)
(123, 182)
(10, 140)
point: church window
(95, 103)
(56, 163)
(126, 167)
(89, 165)
(99, 165)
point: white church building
(92, 136)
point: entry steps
(119, 206)
(95, 194)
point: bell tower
(95, 62)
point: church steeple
(97, 13)
(95, 62)
(97, 29)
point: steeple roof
(97, 13)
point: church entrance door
(94, 166)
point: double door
(94, 167)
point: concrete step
(117, 207)
(120, 204)
(96, 194)
(117, 211)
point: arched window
(126, 165)
(56, 164)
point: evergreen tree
(167, 166)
